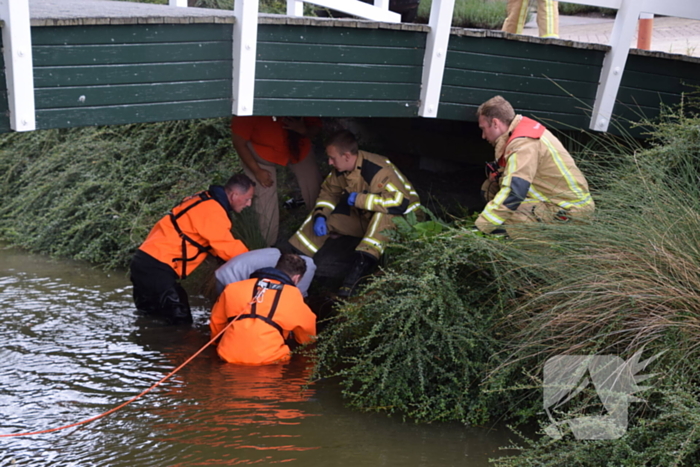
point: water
(73, 348)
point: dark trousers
(157, 291)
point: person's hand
(294, 124)
(320, 228)
(351, 198)
(264, 178)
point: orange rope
(111, 411)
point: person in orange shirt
(266, 311)
(180, 241)
(263, 144)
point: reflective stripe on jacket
(538, 169)
(257, 337)
(204, 227)
(379, 185)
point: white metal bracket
(435, 55)
(245, 40)
(19, 72)
(377, 12)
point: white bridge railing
(17, 50)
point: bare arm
(261, 175)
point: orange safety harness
(258, 292)
(203, 196)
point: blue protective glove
(320, 228)
(351, 198)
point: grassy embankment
(459, 326)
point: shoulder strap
(203, 196)
(262, 283)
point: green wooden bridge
(95, 62)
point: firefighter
(359, 198)
(180, 241)
(267, 310)
(547, 17)
(539, 180)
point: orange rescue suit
(204, 227)
(257, 337)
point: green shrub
(418, 341)
(94, 193)
(478, 14)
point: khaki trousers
(366, 225)
(266, 202)
(547, 17)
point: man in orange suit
(180, 241)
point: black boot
(363, 265)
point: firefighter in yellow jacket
(180, 241)
(539, 180)
(547, 17)
(267, 310)
(359, 198)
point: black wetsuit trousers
(157, 291)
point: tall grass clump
(629, 280)
(477, 14)
(94, 193)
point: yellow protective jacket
(539, 176)
(198, 226)
(258, 334)
(379, 185)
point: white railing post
(19, 72)
(182, 3)
(245, 41)
(295, 8)
(435, 55)
(614, 63)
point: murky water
(71, 348)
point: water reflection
(73, 348)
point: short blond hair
(496, 107)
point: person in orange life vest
(539, 180)
(267, 310)
(180, 241)
(263, 144)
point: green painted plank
(119, 115)
(521, 66)
(335, 108)
(338, 72)
(70, 55)
(130, 34)
(645, 98)
(523, 100)
(294, 89)
(339, 54)
(659, 83)
(537, 85)
(131, 74)
(92, 96)
(339, 35)
(681, 69)
(529, 50)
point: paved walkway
(671, 35)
